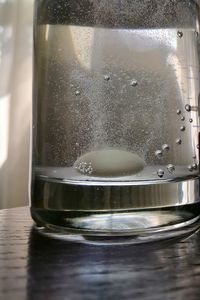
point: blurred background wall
(15, 100)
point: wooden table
(33, 266)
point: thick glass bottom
(116, 214)
(119, 227)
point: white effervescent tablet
(109, 163)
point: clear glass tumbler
(116, 118)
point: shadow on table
(64, 270)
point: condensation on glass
(116, 118)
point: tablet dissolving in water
(109, 163)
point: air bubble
(188, 107)
(178, 111)
(182, 128)
(77, 93)
(171, 168)
(178, 141)
(194, 156)
(190, 168)
(197, 146)
(165, 147)
(160, 173)
(158, 153)
(180, 34)
(134, 82)
(107, 77)
(194, 166)
(182, 118)
(190, 120)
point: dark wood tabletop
(33, 266)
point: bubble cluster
(193, 167)
(85, 168)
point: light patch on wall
(4, 128)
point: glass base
(119, 227)
(116, 214)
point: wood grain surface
(36, 267)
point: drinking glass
(116, 118)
